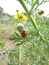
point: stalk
(31, 18)
(19, 55)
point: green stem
(24, 6)
(31, 18)
(20, 54)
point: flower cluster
(21, 16)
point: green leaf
(2, 43)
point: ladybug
(24, 33)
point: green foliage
(31, 50)
(13, 57)
(2, 43)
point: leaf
(2, 43)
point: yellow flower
(20, 16)
(16, 16)
(24, 18)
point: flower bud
(20, 27)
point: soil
(5, 32)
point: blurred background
(11, 6)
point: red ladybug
(24, 33)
